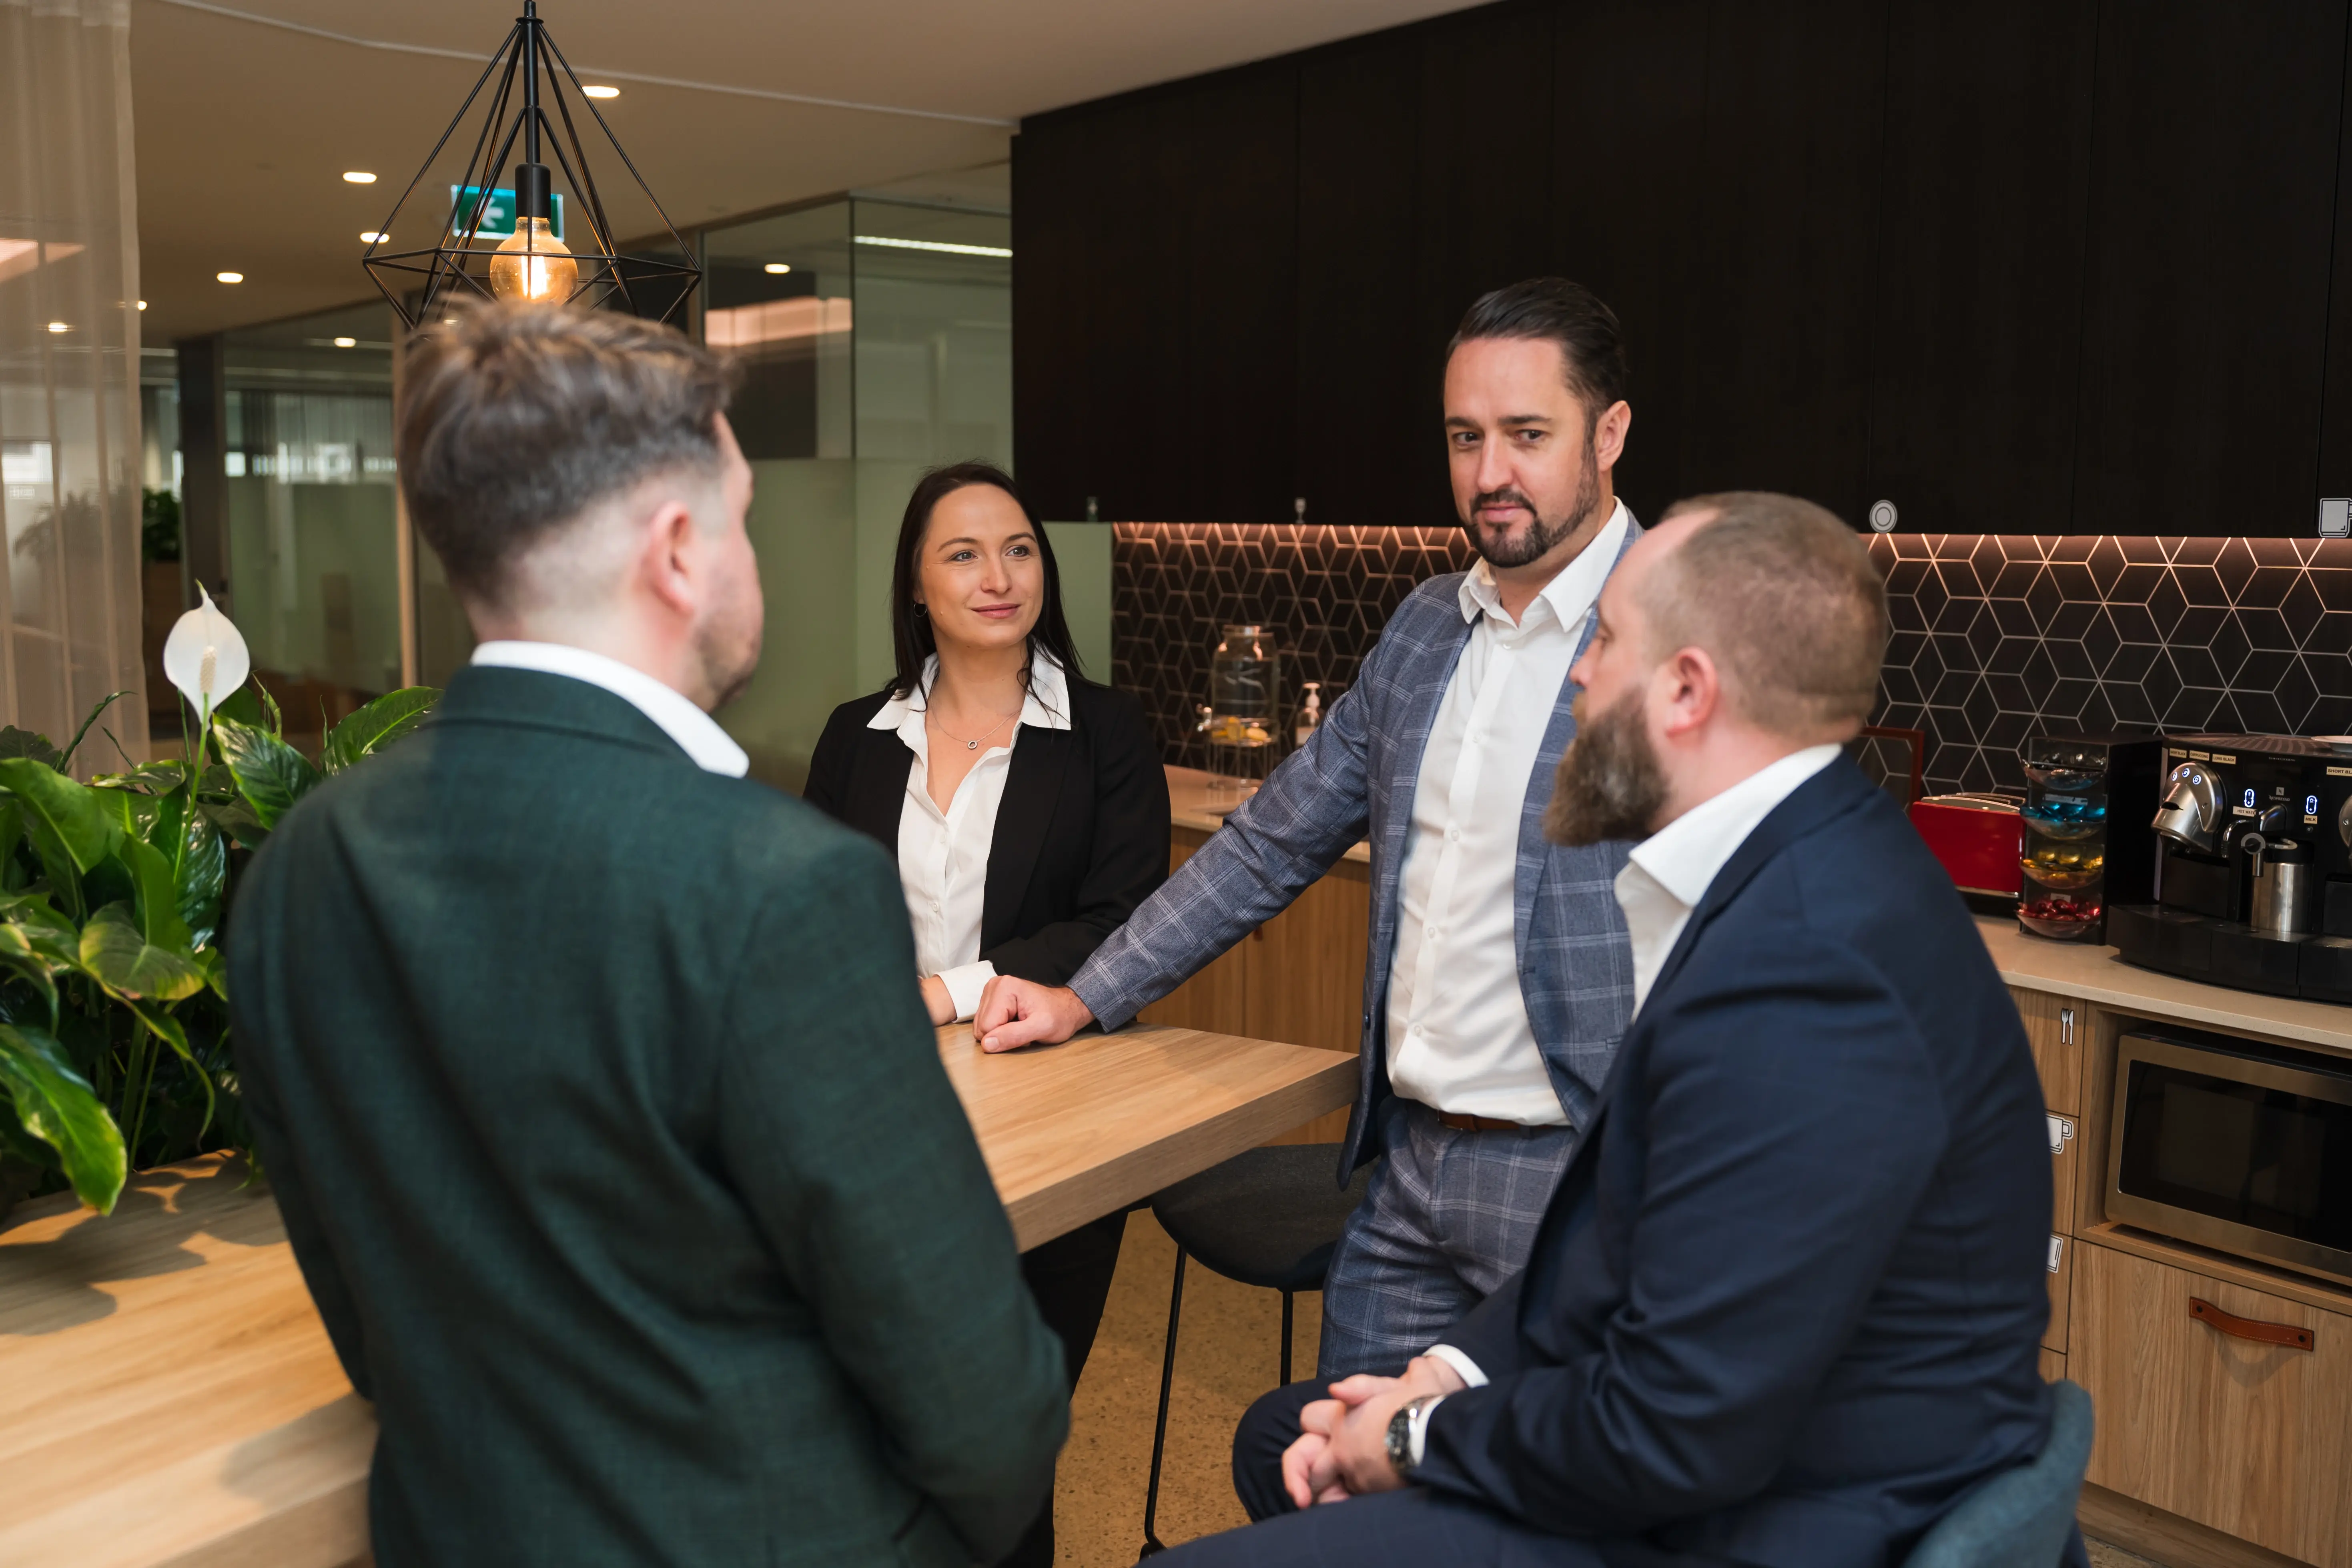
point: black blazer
(1081, 836)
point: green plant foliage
(56, 1105)
(271, 774)
(376, 726)
(114, 1023)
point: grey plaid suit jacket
(1353, 780)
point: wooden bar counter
(168, 1398)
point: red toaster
(1979, 838)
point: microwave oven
(2240, 1147)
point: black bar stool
(1269, 1218)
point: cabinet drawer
(2062, 1161)
(2245, 1436)
(2056, 1027)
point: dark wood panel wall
(2018, 266)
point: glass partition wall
(876, 340)
(312, 521)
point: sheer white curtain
(69, 374)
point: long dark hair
(910, 633)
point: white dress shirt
(1459, 1037)
(943, 855)
(1663, 881)
(696, 733)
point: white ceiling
(245, 128)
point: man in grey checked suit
(1499, 978)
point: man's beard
(1609, 785)
(1542, 533)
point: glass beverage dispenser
(1244, 708)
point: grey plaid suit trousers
(1354, 781)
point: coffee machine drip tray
(2223, 953)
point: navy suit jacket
(1786, 1304)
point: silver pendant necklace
(972, 745)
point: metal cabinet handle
(2254, 1328)
(2065, 1025)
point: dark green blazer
(613, 1140)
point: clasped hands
(1342, 1448)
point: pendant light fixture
(510, 244)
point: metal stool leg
(1151, 1542)
(1285, 1341)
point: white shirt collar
(1684, 855)
(1047, 706)
(699, 735)
(1572, 589)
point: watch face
(1400, 1438)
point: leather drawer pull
(2252, 1329)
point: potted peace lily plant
(114, 1025)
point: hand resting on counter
(1015, 1013)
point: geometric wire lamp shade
(495, 242)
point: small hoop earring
(921, 608)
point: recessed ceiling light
(359, 177)
(142, 304)
(370, 237)
(230, 277)
(347, 342)
(60, 327)
(778, 267)
(597, 91)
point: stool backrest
(2022, 1518)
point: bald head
(1783, 597)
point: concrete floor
(1227, 1356)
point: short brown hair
(1556, 311)
(516, 417)
(1787, 599)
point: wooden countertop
(169, 1399)
(1195, 801)
(2099, 974)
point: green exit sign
(498, 213)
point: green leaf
(203, 877)
(167, 1029)
(214, 964)
(271, 774)
(20, 952)
(104, 703)
(116, 955)
(56, 1105)
(16, 742)
(376, 726)
(156, 894)
(236, 820)
(69, 815)
(147, 778)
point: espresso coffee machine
(2254, 867)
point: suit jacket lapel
(1535, 853)
(1834, 791)
(1033, 786)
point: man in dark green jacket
(591, 1078)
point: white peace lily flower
(206, 657)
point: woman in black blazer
(1025, 805)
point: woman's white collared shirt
(943, 855)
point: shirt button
(1454, 834)
(1430, 931)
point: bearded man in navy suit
(1785, 1306)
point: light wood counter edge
(1133, 1176)
(2098, 975)
(1188, 807)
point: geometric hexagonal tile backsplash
(1996, 636)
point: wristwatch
(1404, 1434)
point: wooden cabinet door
(1214, 998)
(2213, 224)
(2062, 1164)
(1306, 978)
(1976, 331)
(2249, 1438)
(2056, 1026)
